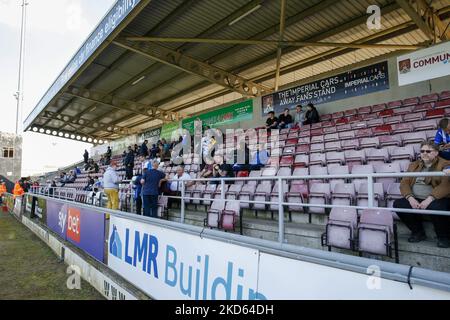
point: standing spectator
(18, 190)
(299, 116)
(285, 120)
(442, 138)
(111, 186)
(2, 189)
(129, 164)
(108, 156)
(272, 121)
(137, 196)
(144, 149)
(426, 193)
(151, 181)
(312, 115)
(86, 156)
(136, 150)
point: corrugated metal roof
(114, 70)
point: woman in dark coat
(312, 116)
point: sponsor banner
(28, 205)
(152, 136)
(82, 227)
(167, 130)
(349, 84)
(235, 113)
(425, 64)
(293, 279)
(121, 145)
(86, 230)
(40, 210)
(18, 207)
(57, 217)
(169, 264)
(9, 201)
(113, 18)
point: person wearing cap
(111, 186)
(151, 182)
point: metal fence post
(280, 212)
(370, 191)
(222, 190)
(182, 205)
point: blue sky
(55, 30)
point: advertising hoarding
(345, 85)
(425, 64)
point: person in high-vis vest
(18, 190)
(2, 190)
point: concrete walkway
(29, 270)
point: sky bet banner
(342, 86)
(426, 64)
(168, 264)
(81, 227)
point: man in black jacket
(129, 164)
(312, 116)
(272, 121)
(144, 149)
(285, 120)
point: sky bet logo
(73, 225)
(192, 281)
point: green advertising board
(235, 113)
(168, 129)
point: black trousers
(129, 172)
(414, 221)
(151, 206)
(139, 205)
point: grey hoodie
(110, 179)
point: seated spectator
(426, 193)
(272, 121)
(221, 169)
(69, 179)
(102, 161)
(175, 185)
(206, 172)
(285, 120)
(93, 168)
(442, 138)
(299, 116)
(260, 158)
(312, 115)
(154, 152)
(90, 184)
(242, 164)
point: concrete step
(424, 254)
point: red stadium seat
(411, 101)
(301, 160)
(444, 95)
(422, 107)
(351, 112)
(384, 129)
(317, 132)
(362, 133)
(429, 98)
(328, 124)
(378, 107)
(302, 149)
(369, 116)
(343, 127)
(341, 121)
(442, 104)
(305, 140)
(291, 142)
(317, 139)
(413, 116)
(346, 135)
(287, 161)
(327, 130)
(355, 118)
(337, 115)
(364, 110)
(394, 119)
(394, 104)
(375, 122)
(386, 113)
(437, 113)
(325, 117)
(317, 125)
(403, 110)
(331, 137)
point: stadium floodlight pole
(19, 93)
(279, 50)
